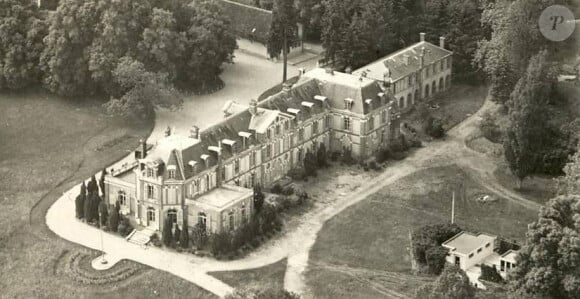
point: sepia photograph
(290, 149)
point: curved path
(296, 244)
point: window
(202, 220)
(383, 116)
(207, 182)
(231, 220)
(348, 104)
(151, 215)
(286, 125)
(434, 68)
(315, 127)
(371, 123)
(301, 134)
(171, 173)
(346, 123)
(486, 245)
(427, 71)
(252, 159)
(470, 255)
(410, 80)
(502, 266)
(268, 150)
(300, 155)
(277, 129)
(150, 172)
(243, 210)
(479, 250)
(269, 133)
(237, 166)
(327, 121)
(122, 198)
(150, 192)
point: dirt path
(297, 243)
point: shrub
(435, 258)
(114, 219)
(297, 174)
(125, 227)
(490, 129)
(184, 237)
(383, 155)
(258, 198)
(426, 237)
(347, 158)
(334, 156)
(276, 189)
(199, 236)
(490, 274)
(373, 165)
(434, 127)
(302, 197)
(321, 156)
(288, 190)
(167, 234)
(310, 164)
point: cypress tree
(167, 235)
(80, 202)
(92, 187)
(184, 238)
(102, 182)
(104, 213)
(114, 218)
(87, 210)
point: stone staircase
(140, 237)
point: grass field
(372, 237)
(454, 106)
(47, 145)
(268, 276)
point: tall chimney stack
(194, 132)
(442, 42)
(143, 148)
(422, 36)
(253, 107)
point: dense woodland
(137, 52)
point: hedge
(244, 18)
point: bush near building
(426, 242)
(490, 274)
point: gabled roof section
(397, 65)
(338, 87)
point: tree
(263, 293)
(490, 274)
(142, 90)
(80, 202)
(114, 218)
(569, 184)
(435, 257)
(310, 163)
(321, 156)
(430, 236)
(92, 186)
(451, 284)
(528, 119)
(103, 213)
(547, 267)
(283, 31)
(199, 236)
(102, 182)
(167, 234)
(95, 202)
(21, 33)
(87, 210)
(258, 198)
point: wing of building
(205, 177)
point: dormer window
(348, 103)
(150, 172)
(171, 174)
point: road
(295, 244)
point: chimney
(194, 132)
(422, 36)
(422, 57)
(286, 86)
(168, 131)
(442, 42)
(143, 148)
(219, 165)
(253, 107)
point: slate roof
(262, 120)
(303, 91)
(338, 86)
(395, 62)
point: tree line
(137, 52)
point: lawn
(455, 105)
(373, 235)
(47, 145)
(268, 276)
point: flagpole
(453, 208)
(103, 260)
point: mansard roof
(303, 91)
(338, 87)
(397, 65)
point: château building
(206, 177)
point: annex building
(206, 176)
